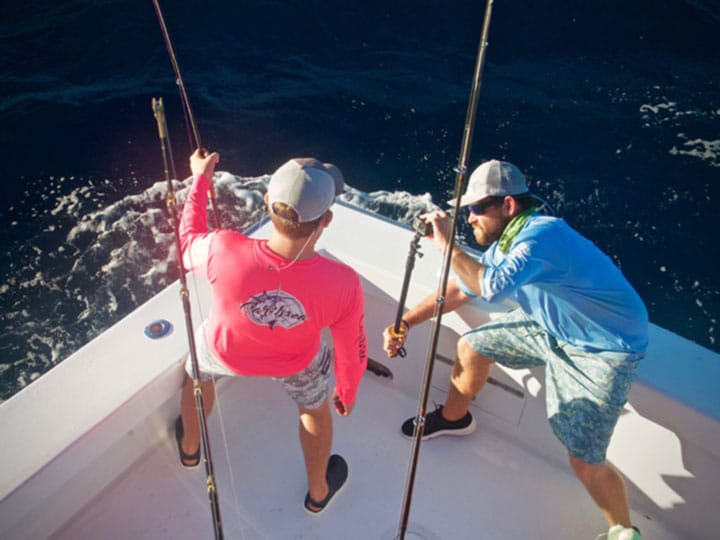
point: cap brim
(469, 198)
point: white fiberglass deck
(476, 487)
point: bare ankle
(319, 494)
(452, 415)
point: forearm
(467, 269)
(194, 237)
(351, 347)
(194, 215)
(425, 310)
(350, 365)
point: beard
(485, 237)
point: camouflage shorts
(585, 391)
(307, 388)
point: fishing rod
(159, 112)
(461, 170)
(399, 329)
(189, 117)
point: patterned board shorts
(308, 388)
(585, 391)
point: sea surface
(612, 108)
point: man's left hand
(343, 409)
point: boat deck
(480, 486)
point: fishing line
(461, 170)
(159, 112)
(191, 124)
(218, 402)
(187, 110)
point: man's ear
(510, 206)
(327, 218)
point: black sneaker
(436, 425)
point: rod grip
(159, 112)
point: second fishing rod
(159, 113)
(461, 174)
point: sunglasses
(479, 208)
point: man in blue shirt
(578, 316)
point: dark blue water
(612, 109)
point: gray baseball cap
(307, 185)
(492, 179)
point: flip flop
(337, 475)
(189, 461)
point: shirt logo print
(274, 308)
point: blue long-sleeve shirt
(568, 286)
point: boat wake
(92, 261)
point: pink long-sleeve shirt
(267, 312)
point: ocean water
(611, 108)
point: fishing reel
(421, 227)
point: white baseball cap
(493, 178)
(307, 185)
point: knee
(585, 471)
(316, 411)
(470, 369)
(467, 356)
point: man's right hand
(393, 341)
(440, 222)
(203, 163)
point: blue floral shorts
(585, 391)
(307, 388)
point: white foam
(688, 119)
(706, 150)
(655, 109)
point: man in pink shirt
(270, 301)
